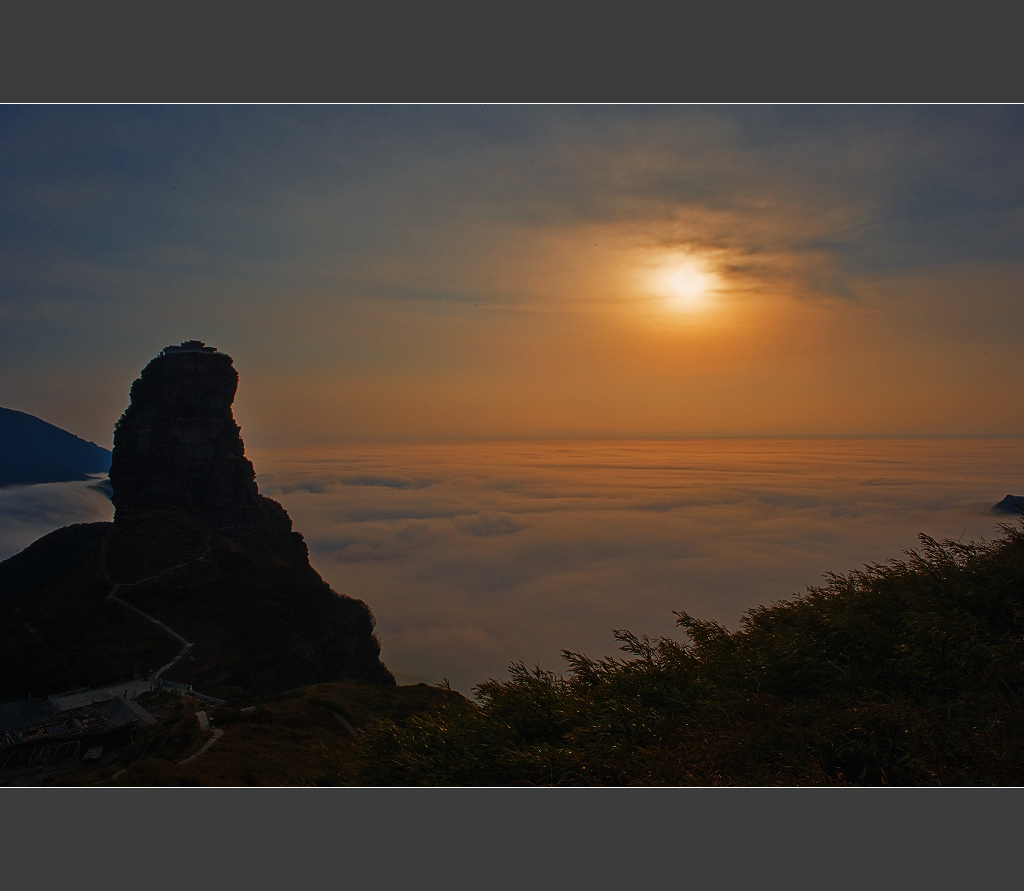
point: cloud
(580, 538)
(29, 512)
(519, 550)
(489, 523)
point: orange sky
(436, 272)
(619, 356)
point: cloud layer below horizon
(473, 556)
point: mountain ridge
(35, 451)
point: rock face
(177, 445)
(194, 554)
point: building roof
(27, 711)
(189, 346)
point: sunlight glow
(685, 284)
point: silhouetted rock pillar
(177, 446)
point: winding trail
(204, 724)
(217, 734)
(117, 586)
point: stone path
(76, 699)
(116, 586)
(217, 734)
(204, 724)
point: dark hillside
(310, 736)
(905, 674)
(262, 619)
(33, 451)
(910, 673)
(57, 628)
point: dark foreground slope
(310, 736)
(33, 451)
(910, 673)
(260, 618)
(193, 546)
(57, 628)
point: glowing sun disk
(685, 285)
(688, 282)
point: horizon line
(541, 438)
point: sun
(684, 284)
(688, 284)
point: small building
(61, 736)
(23, 712)
(188, 346)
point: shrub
(907, 673)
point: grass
(909, 673)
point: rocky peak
(194, 548)
(1011, 504)
(177, 446)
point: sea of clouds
(476, 555)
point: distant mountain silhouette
(1011, 504)
(33, 451)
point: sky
(525, 374)
(414, 273)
